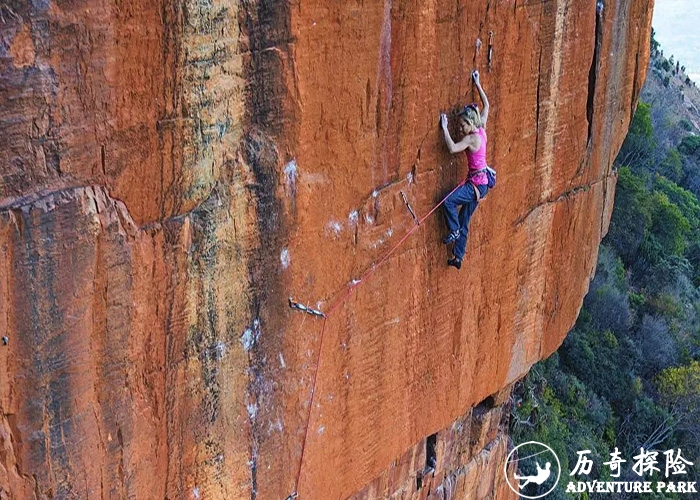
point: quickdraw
(408, 205)
(301, 307)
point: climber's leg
(465, 215)
(464, 194)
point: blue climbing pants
(465, 197)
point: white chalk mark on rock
(333, 228)
(247, 339)
(252, 410)
(290, 172)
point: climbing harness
(476, 192)
(408, 205)
(490, 49)
(490, 175)
(335, 305)
(301, 307)
(474, 173)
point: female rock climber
(472, 124)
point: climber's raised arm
(484, 99)
(470, 142)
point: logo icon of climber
(537, 470)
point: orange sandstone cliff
(172, 172)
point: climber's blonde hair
(470, 114)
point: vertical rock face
(171, 172)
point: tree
(685, 200)
(638, 148)
(641, 122)
(631, 218)
(685, 124)
(672, 166)
(690, 145)
(654, 43)
(679, 388)
(693, 256)
(658, 348)
(609, 309)
(668, 225)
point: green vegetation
(690, 145)
(685, 124)
(628, 374)
(672, 166)
(654, 44)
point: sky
(676, 24)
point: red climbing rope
(311, 404)
(333, 307)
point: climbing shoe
(451, 238)
(455, 262)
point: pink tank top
(477, 161)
